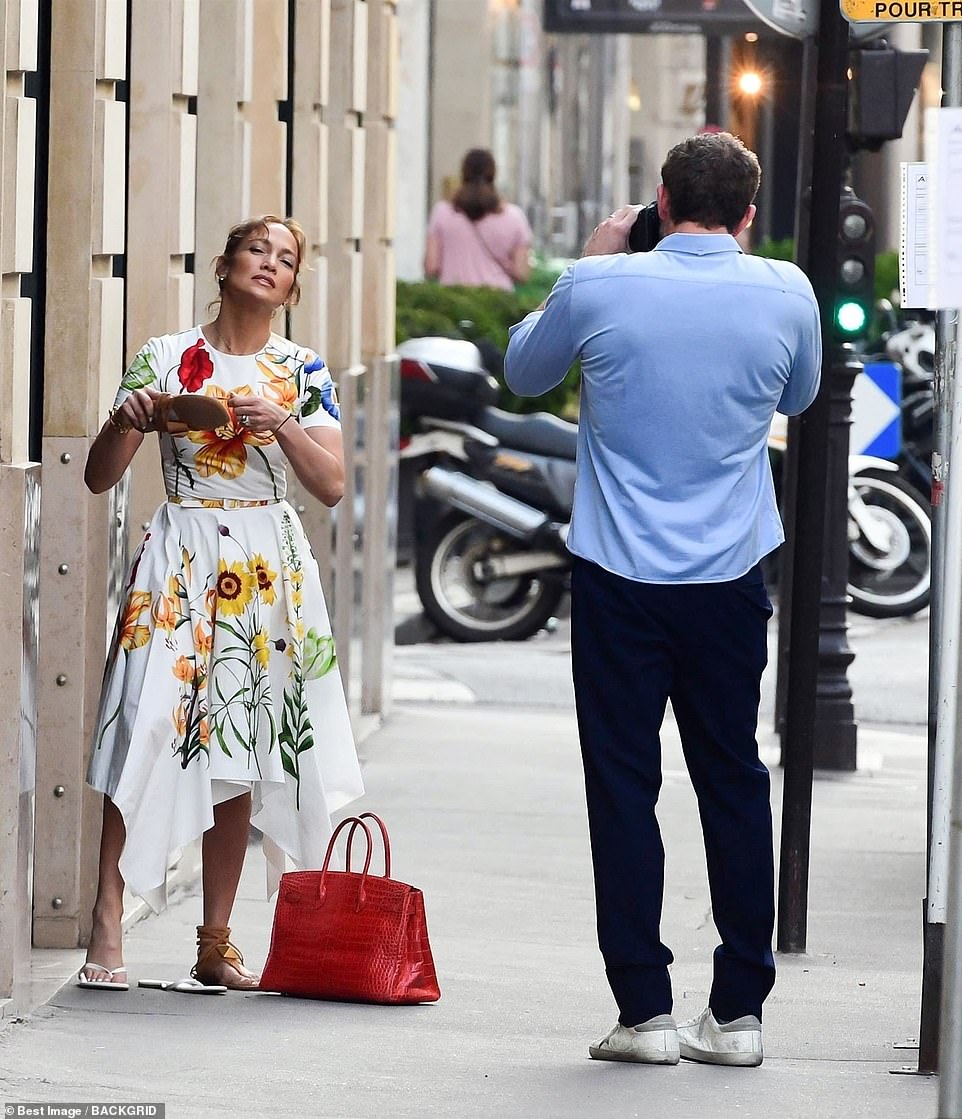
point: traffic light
(882, 84)
(855, 271)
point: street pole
(835, 726)
(803, 209)
(717, 52)
(808, 535)
(941, 719)
(944, 622)
(950, 1063)
(933, 912)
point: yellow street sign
(901, 11)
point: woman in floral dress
(222, 704)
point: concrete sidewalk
(486, 812)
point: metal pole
(809, 529)
(942, 672)
(945, 864)
(944, 615)
(947, 818)
(836, 731)
(803, 201)
(717, 50)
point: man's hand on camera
(611, 235)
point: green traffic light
(851, 317)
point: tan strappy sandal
(214, 950)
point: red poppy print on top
(195, 366)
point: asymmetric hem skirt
(222, 669)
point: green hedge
(475, 313)
(427, 308)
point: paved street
(477, 773)
(889, 676)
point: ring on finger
(244, 419)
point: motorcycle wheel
(893, 582)
(467, 605)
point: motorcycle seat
(540, 433)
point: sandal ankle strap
(214, 939)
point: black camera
(646, 232)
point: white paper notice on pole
(914, 243)
(943, 154)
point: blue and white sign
(876, 411)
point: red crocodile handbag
(354, 937)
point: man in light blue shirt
(686, 353)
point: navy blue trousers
(703, 646)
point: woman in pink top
(477, 238)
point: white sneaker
(734, 1043)
(654, 1042)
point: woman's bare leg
(106, 945)
(224, 847)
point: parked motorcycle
(889, 542)
(912, 347)
(889, 536)
(493, 501)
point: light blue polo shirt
(686, 353)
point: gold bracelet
(283, 421)
(117, 424)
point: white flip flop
(186, 986)
(101, 984)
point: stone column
(84, 348)
(18, 133)
(461, 110)
(380, 442)
(309, 193)
(412, 135)
(310, 163)
(347, 101)
(224, 89)
(19, 509)
(19, 561)
(268, 134)
(669, 74)
(164, 42)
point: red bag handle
(384, 838)
(355, 822)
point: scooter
(494, 491)
(485, 497)
(889, 535)
(912, 347)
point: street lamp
(750, 83)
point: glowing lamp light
(634, 97)
(750, 83)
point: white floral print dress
(221, 675)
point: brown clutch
(189, 411)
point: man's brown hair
(711, 179)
